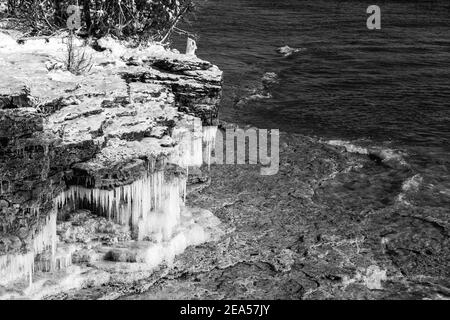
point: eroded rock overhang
(117, 139)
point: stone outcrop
(132, 120)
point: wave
(349, 147)
(409, 186)
(393, 159)
(412, 184)
(387, 156)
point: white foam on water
(410, 185)
(349, 147)
(386, 155)
(391, 155)
(413, 183)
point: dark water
(388, 87)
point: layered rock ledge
(116, 139)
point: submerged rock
(288, 51)
(261, 90)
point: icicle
(190, 151)
(209, 140)
(189, 148)
(46, 237)
(161, 221)
(63, 257)
(16, 266)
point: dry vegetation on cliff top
(140, 20)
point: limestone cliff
(115, 139)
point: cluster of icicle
(189, 147)
(16, 266)
(59, 260)
(195, 145)
(150, 205)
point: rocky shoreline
(311, 232)
(332, 224)
(298, 235)
(117, 140)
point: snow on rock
(116, 138)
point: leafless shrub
(142, 20)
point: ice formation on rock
(196, 145)
(16, 266)
(189, 149)
(63, 257)
(92, 132)
(46, 239)
(209, 141)
(150, 205)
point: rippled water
(388, 88)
